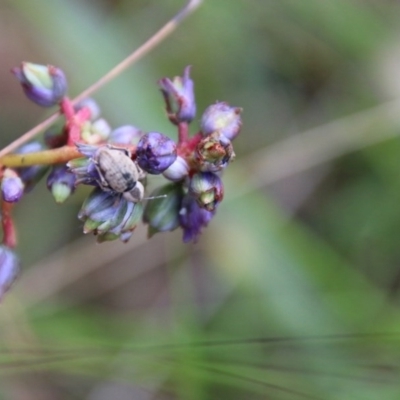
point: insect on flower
(119, 173)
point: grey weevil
(119, 173)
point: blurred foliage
(293, 290)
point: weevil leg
(125, 151)
(101, 181)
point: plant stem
(149, 45)
(45, 157)
(183, 132)
(9, 233)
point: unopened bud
(126, 134)
(214, 152)
(12, 187)
(207, 189)
(45, 85)
(162, 213)
(179, 97)
(109, 216)
(61, 183)
(9, 269)
(155, 152)
(223, 118)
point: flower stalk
(45, 157)
(9, 231)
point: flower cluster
(117, 163)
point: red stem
(183, 133)
(9, 232)
(74, 120)
(67, 108)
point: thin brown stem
(149, 45)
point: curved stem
(149, 45)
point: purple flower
(12, 187)
(109, 216)
(126, 134)
(61, 183)
(193, 218)
(179, 97)
(9, 269)
(207, 189)
(155, 152)
(84, 168)
(45, 85)
(223, 118)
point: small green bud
(162, 214)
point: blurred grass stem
(316, 146)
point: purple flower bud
(88, 150)
(9, 269)
(193, 218)
(223, 118)
(179, 97)
(214, 152)
(12, 187)
(162, 214)
(109, 215)
(84, 169)
(31, 175)
(126, 134)
(92, 105)
(155, 152)
(96, 202)
(207, 189)
(61, 183)
(178, 170)
(45, 85)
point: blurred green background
(292, 292)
